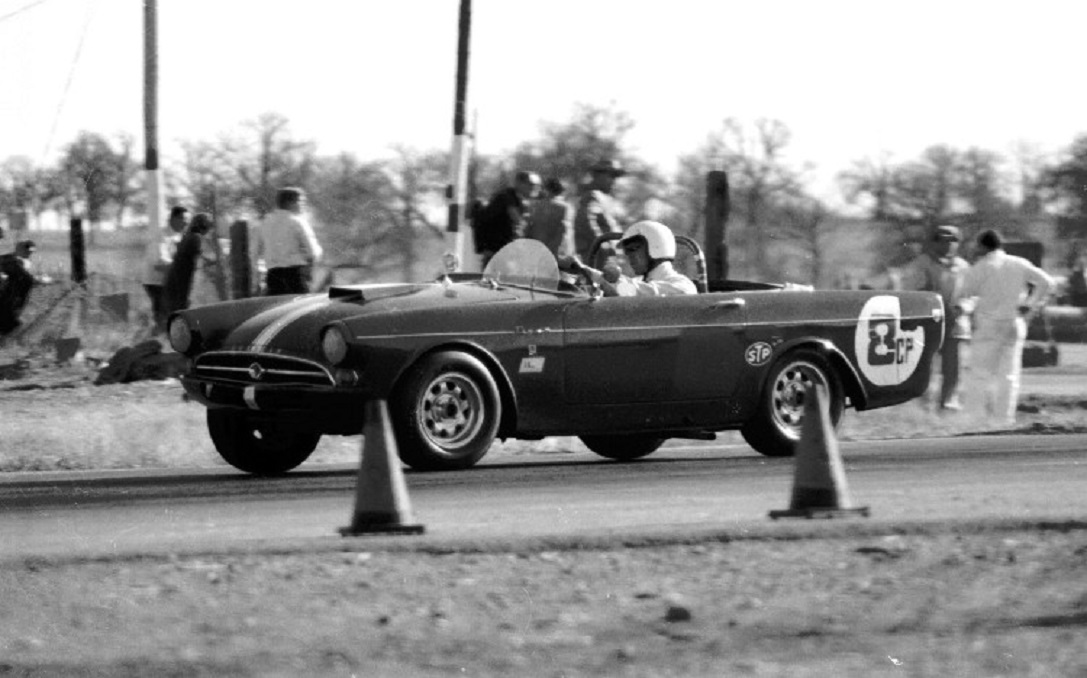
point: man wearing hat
(940, 269)
(596, 210)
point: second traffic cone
(819, 487)
(381, 496)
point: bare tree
(125, 175)
(871, 179)
(374, 211)
(89, 168)
(806, 220)
(1029, 167)
(759, 175)
(265, 156)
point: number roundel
(886, 353)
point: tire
(445, 412)
(774, 431)
(623, 447)
(260, 448)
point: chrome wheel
(789, 393)
(450, 410)
(446, 412)
(775, 427)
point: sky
(851, 78)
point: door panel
(653, 349)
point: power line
(68, 82)
(22, 9)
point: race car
(523, 351)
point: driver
(649, 247)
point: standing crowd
(534, 209)
(989, 306)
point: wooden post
(241, 286)
(716, 215)
(78, 251)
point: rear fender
(852, 384)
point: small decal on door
(758, 354)
(532, 365)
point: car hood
(293, 324)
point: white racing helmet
(659, 240)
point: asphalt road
(706, 486)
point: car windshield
(524, 263)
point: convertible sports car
(519, 351)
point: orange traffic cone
(819, 488)
(381, 496)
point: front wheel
(260, 448)
(774, 431)
(446, 412)
(623, 447)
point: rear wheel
(446, 412)
(774, 431)
(623, 447)
(260, 448)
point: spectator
(505, 217)
(1003, 292)
(940, 269)
(596, 209)
(179, 278)
(16, 281)
(158, 264)
(1077, 285)
(551, 220)
(287, 244)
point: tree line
(371, 212)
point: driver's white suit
(663, 280)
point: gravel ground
(989, 603)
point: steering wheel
(575, 267)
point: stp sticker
(532, 365)
(887, 354)
(758, 354)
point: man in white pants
(1003, 292)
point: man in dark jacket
(16, 280)
(183, 267)
(505, 217)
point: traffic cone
(819, 487)
(381, 495)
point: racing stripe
(274, 328)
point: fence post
(716, 215)
(78, 250)
(239, 260)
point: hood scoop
(363, 293)
(346, 293)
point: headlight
(180, 334)
(334, 345)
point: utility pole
(457, 191)
(156, 203)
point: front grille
(260, 368)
